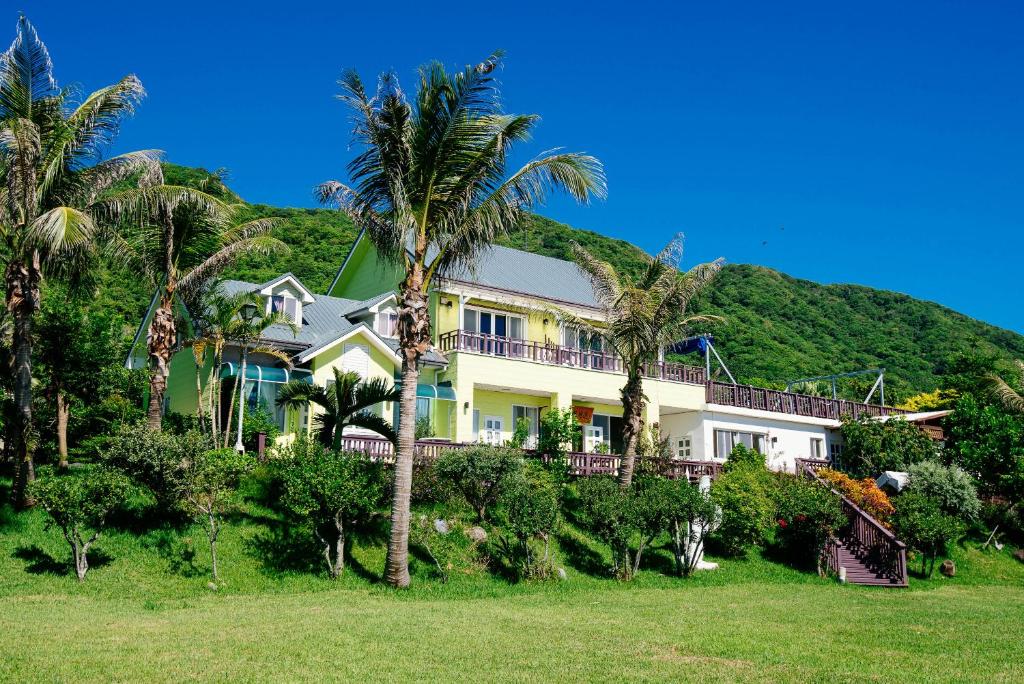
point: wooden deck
(791, 403)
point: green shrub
(604, 512)
(871, 447)
(520, 435)
(745, 495)
(441, 540)
(258, 420)
(424, 428)
(428, 487)
(479, 472)
(331, 492)
(921, 525)
(558, 428)
(79, 505)
(530, 504)
(744, 457)
(154, 460)
(807, 514)
(950, 486)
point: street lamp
(248, 314)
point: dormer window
(289, 306)
(387, 323)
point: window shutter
(356, 358)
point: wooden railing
(815, 464)
(866, 538)
(776, 401)
(557, 355)
(580, 464)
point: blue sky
(873, 143)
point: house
(498, 358)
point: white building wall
(787, 437)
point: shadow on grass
(581, 557)
(39, 562)
(179, 551)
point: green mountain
(775, 327)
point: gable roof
(516, 271)
(265, 288)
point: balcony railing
(557, 355)
(746, 396)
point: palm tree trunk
(160, 342)
(414, 341)
(22, 282)
(62, 428)
(199, 395)
(632, 425)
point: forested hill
(775, 327)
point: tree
(180, 239)
(431, 192)
(605, 512)
(333, 491)
(987, 441)
(49, 186)
(480, 472)
(208, 482)
(347, 401)
(530, 503)
(871, 447)
(950, 486)
(79, 504)
(643, 316)
(921, 524)
(1002, 393)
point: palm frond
(1001, 392)
(61, 229)
(225, 256)
(371, 421)
(602, 275)
(26, 73)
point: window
(387, 323)
(493, 323)
(605, 423)
(494, 426)
(532, 416)
(835, 452)
(726, 440)
(476, 425)
(289, 306)
(684, 449)
(422, 407)
(817, 448)
(356, 358)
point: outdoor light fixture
(448, 303)
(248, 312)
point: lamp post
(248, 313)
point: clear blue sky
(873, 143)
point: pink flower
(782, 523)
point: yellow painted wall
(447, 319)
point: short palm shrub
(807, 515)
(154, 460)
(951, 487)
(209, 481)
(745, 494)
(479, 473)
(79, 506)
(530, 505)
(865, 494)
(330, 492)
(921, 525)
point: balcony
(557, 355)
(775, 401)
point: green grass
(145, 612)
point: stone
(948, 568)
(561, 574)
(477, 534)
(441, 526)
(211, 586)
(1019, 555)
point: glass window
(605, 423)
(422, 407)
(817, 448)
(683, 449)
(476, 425)
(471, 320)
(726, 440)
(532, 415)
(387, 323)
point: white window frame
(493, 436)
(532, 414)
(287, 302)
(523, 321)
(753, 441)
(385, 322)
(684, 448)
(817, 448)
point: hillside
(775, 327)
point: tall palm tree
(642, 317)
(49, 181)
(347, 401)
(180, 238)
(431, 191)
(1001, 391)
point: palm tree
(1001, 391)
(180, 238)
(48, 184)
(642, 317)
(431, 191)
(344, 402)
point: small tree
(208, 483)
(558, 428)
(650, 507)
(604, 511)
(79, 505)
(530, 501)
(155, 460)
(745, 496)
(871, 447)
(922, 525)
(333, 491)
(952, 488)
(744, 457)
(693, 514)
(480, 472)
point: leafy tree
(79, 505)
(604, 512)
(651, 506)
(921, 524)
(332, 491)
(530, 503)
(872, 446)
(480, 472)
(209, 480)
(347, 401)
(744, 457)
(258, 420)
(558, 428)
(48, 144)
(642, 317)
(692, 515)
(949, 486)
(746, 497)
(431, 192)
(988, 442)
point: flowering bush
(807, 514)
(864, 493)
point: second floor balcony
(559, 355)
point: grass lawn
(145, 612)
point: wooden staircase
(869, 552)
